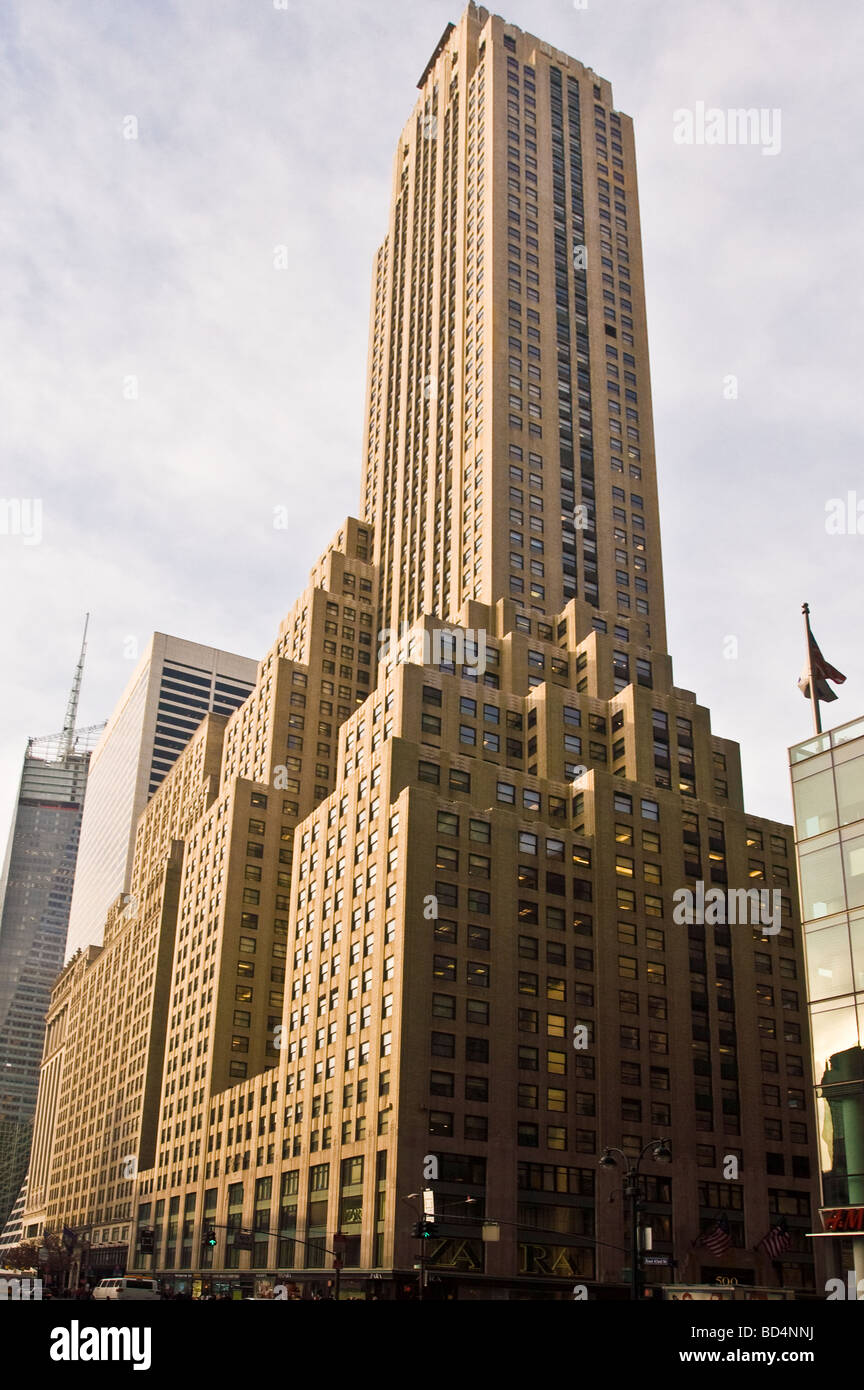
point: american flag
(777, 1240)
(818, 669)
(716, 1238)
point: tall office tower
(508, 446)
(828, 789)
(35, 893)
(172, 687)
(443, 924)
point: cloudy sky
(164, 387)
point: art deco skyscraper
(410, 917)
(509, 448)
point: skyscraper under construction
(410, 921)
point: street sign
(657, 1260)
(429, 1203)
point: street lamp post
(661, 1153)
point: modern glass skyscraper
(35, 895)
(828, 788)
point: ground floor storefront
(373, 1286)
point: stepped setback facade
(410, 918)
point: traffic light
(422, 1230)
(146, 1239)
(210, 1237)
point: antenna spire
(68, 736)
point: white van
(132, 1286)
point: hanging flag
(821, 672)
(777, 1241)
(716, 1238)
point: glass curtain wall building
(828, 787)
(35, 893)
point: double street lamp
(661, 1153)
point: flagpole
(814, 698)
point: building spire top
(74, 694)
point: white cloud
(153, 258)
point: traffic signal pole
(338, 1254)
(421, 1232)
